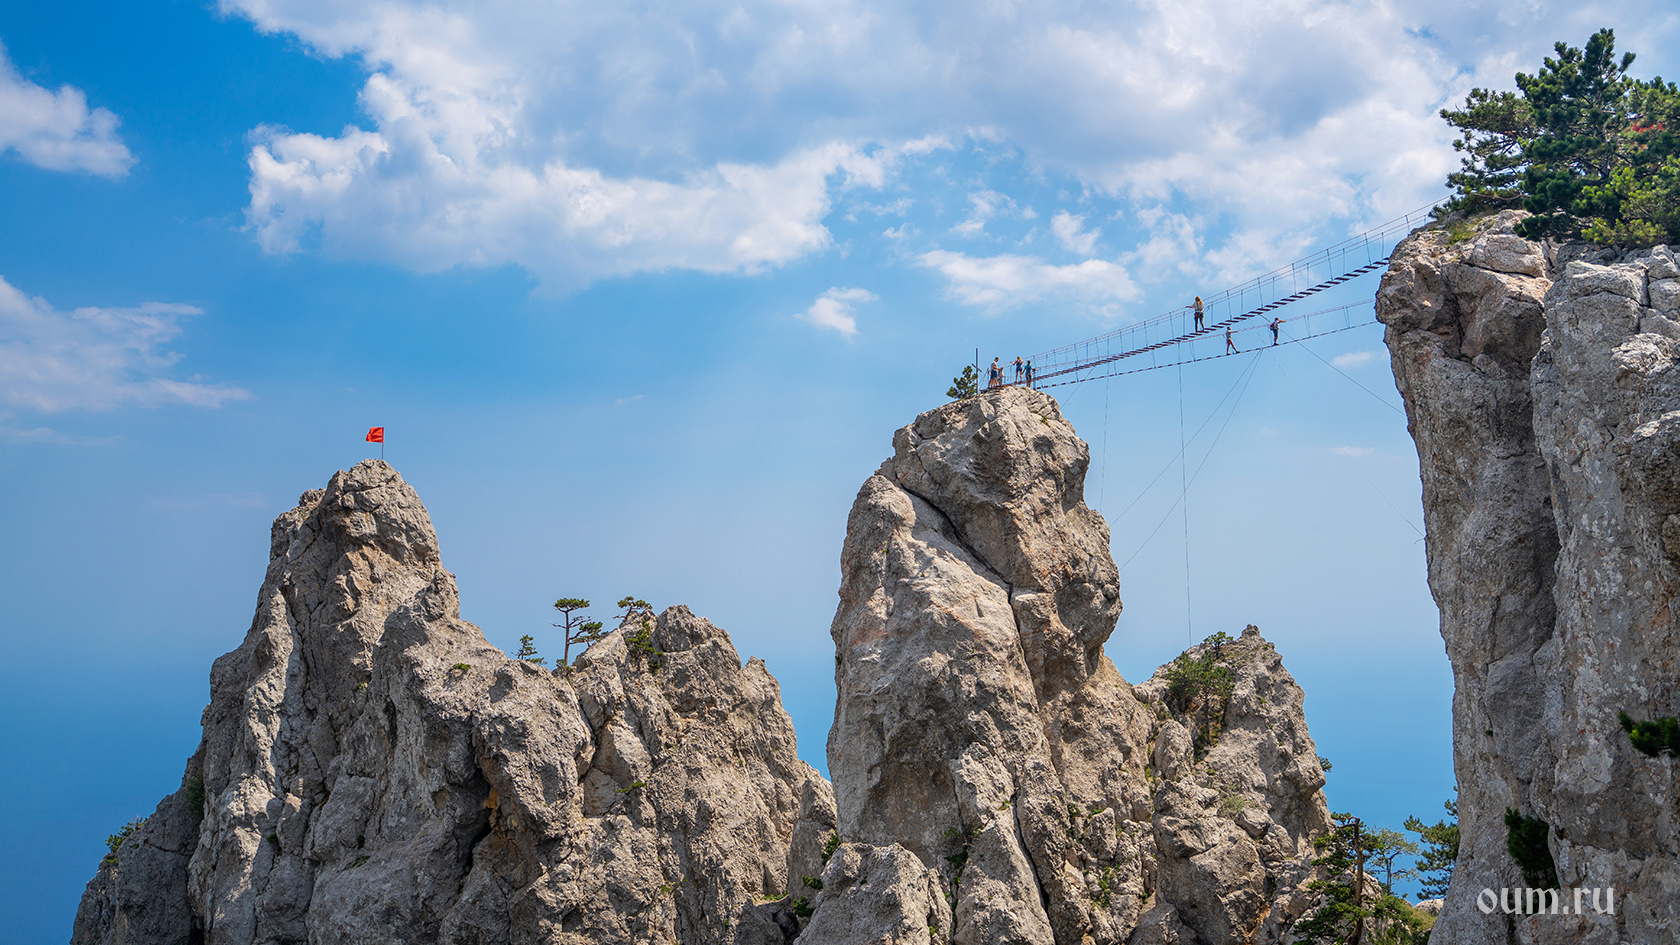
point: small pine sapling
(528, 651)
(966, 384)
(116, 840)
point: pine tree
(1440, 850)
(1583, 147)
(528, 651)
(1581, 106)
(1494, 127)
(1382, 848)
(1341, 920)
(966, 384)
(576, 627)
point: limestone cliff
(996, 780)
(1542, 385)
(373, 771)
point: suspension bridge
(1263, 313)
(1236, 319)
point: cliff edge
(1542, 386)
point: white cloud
(1354, 451)
(584, 140)
(1069, 230)
(621, 401)
(406, 200)
(833, 309)
(1353, 359)
(982, 206)
(56, 130)
(93, 359)
(1006, 281)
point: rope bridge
(1170, 339)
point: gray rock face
(1541, 387)
(981, 731)
(373, 771)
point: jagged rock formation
(1542, 388)
(985, 747)
(373, 771)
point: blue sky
(640, 296)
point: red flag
(376, 435)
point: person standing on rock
(996, 377)
(1198, 313)
(1276, 324)
(1230, 346)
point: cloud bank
(584, 141)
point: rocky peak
(372, 770)
(1007, 467)
(981, 732)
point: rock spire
(373, 771)
(985, 747)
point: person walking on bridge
(1198, 313)
(1230, 346)
(1017, 369)
(1276, 324)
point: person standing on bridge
(1230, 346)
(1276, 324)
(1198, 313)
(1029, 373)
(1017, 369)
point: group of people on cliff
(1023, 373)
